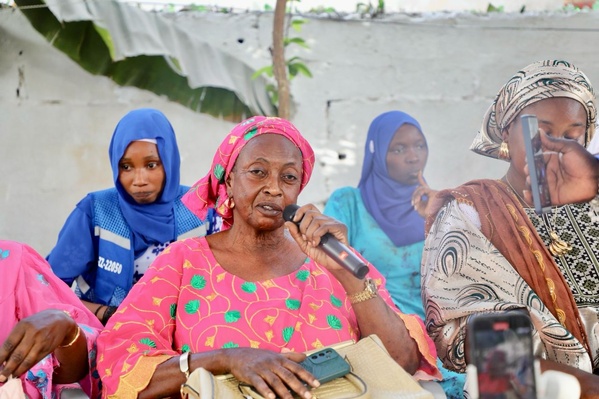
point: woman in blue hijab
(381, 214)
(113, 235)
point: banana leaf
(144, 49)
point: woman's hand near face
(572, 172)
(421, 199)
(34, 337)
(313, 226)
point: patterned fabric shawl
(505, 224)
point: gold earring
(230, 203)
(504, 151)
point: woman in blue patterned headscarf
(113, 235)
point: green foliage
(322, 10)
(92, 48)
(297, 23)
(202, 8)
(295, 40)
(576, 6)
(199, 8)
(369, 9)
(492, 8)
(295, 65)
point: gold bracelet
(74, 339)
(76, 335)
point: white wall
(444, 69)
(351, 6)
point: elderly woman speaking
(250, 299)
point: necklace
(557, 246)
(594, 205)
(516, 192)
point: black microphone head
(289, 212)
(362, 272)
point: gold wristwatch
(370, 291)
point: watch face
(371, 286)
(370, 291)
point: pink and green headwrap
(211, 191)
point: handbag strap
(359, 389)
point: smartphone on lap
(536, 164)
(326, 365)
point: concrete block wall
(56, 120)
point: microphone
(333, 247)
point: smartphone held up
(536, 164)
(501, 362)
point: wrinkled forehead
(269, 146)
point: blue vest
(110, 282)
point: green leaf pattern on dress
(302, 275)
(230, 345)
(192, 306)
(288, 333)
(232, 316)
(336, 301)
(292, 304)
(198, 281)
(173, 310)
(248, 287)
(334, 322)
(148, 341)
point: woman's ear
(229, 184)
(505, 133)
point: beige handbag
(375, 375)
(12, 389)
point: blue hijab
(389, 202)
(150, 223)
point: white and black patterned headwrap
(538, 81)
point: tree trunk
(278, 58)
